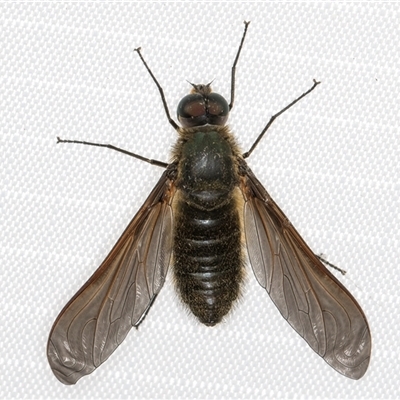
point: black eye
(192, 111)
(199, 109)
(218, 109)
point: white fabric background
(331, 163)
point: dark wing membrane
(119, 294)
(308, 296)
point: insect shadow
(205, 202)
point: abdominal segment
(208, 264)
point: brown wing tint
(308, 296)
(119, 294)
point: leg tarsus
(233, 74)
(112, 147)
(322, 259)
(170, 120)
(260, 136)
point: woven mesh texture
(331, 163)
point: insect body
(208, 262)
(205, 200)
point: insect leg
(110, 146)
(322, 259)
(170, 120)
(246, 24)
(260, 136)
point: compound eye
(192, 111)
(217, 109)
(202, 108)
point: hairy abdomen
(208, 267)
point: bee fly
(204, 200)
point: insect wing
(119, 294)
(308, 296)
